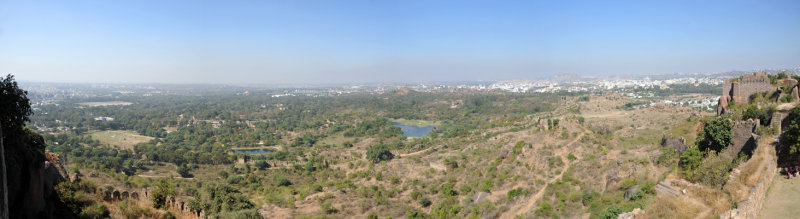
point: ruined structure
(679, 145)
(739, 90)
(745, 139)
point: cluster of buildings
(546, 86)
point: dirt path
(415, 153)
(532, 200)
(783, 198)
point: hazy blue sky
(296, 41)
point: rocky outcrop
(631, 192)
(663, 187)
(679, 145)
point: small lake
(414, 131)
(253, 151)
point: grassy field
(420, 123)
(337, 139)
(122, 139)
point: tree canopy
(790, 139)
(379, 152)
(15, 107)
(716, 135)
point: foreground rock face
(39, 200)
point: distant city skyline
(317, 42)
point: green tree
(716, 135)
(447, 190)
(15, 107)
(282, 181)
(262, 164)
(379, 152)
(789, 148)
(184, 171)
(425, 202)
(753, 112)
(164, 190)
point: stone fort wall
(741, 90)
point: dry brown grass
(673, 207)
(698, 202)
(713, 198)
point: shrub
(627, 183)
(667, 156)
(649, 188)
(486, 185)
(447, 190)
(691, 159)
(262, 164)
(714, 170)
(753, 112)
(517, 149)
(787, 99)
(514, 193)
(588, 197)
(545, 209)
(611, 212)
(184, 171)
(282, 181)
(95, 211)
(327, 208)
(451, 162)
(415, 194)
(235, 179)
(447, 208)
(425, 202)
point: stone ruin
(740, 90)
(745, 139)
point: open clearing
(106, 103)
(123, 139)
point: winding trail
(532, 200)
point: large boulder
(722, 105)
